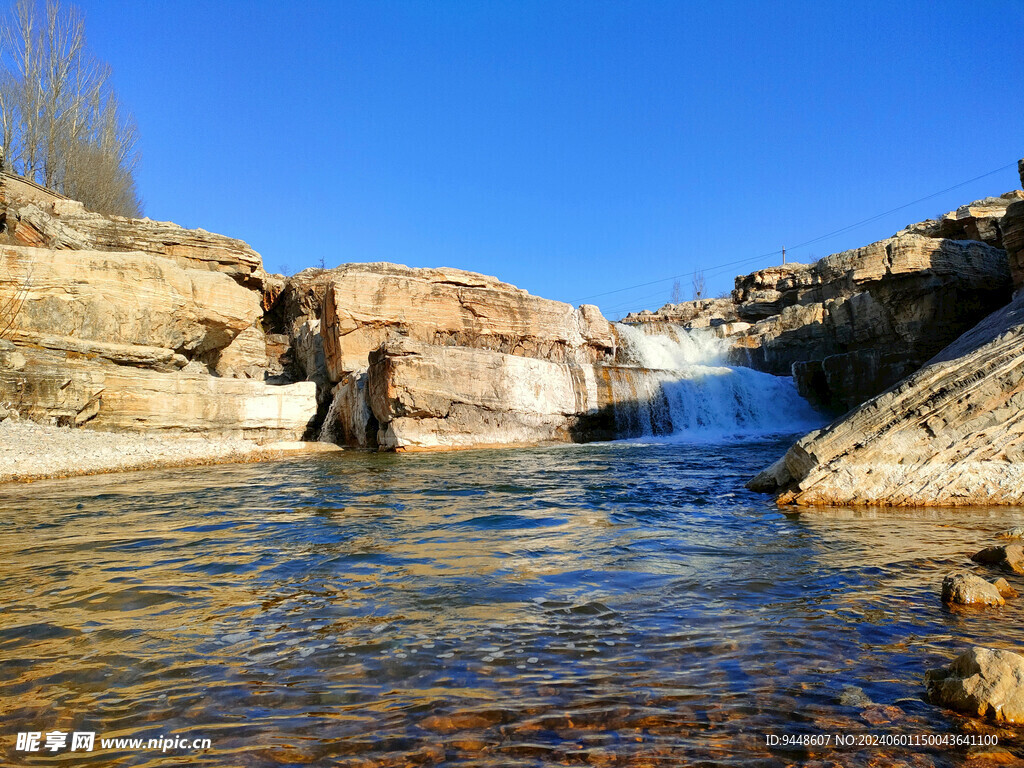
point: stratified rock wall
(854, 323)
(951, 434)
(119, 323)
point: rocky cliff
(854, 323)
(130, 323)
(951, 434)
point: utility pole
(783, 255)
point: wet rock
(1009, 557)
(879, 714)
(982, 682)
(852, 696)
(1004, 587)
(1016, 532)
(964, 588)
(986, 756)
(462, 721)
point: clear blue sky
(571, 148)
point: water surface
(620, 604)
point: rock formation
(1012, 227)
(430, 397)
(951, 434)
(981, 682)
(475, 323)
(133, 324)
(854, 323)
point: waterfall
(676, 382)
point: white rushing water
(682, 387)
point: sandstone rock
(1009, 557)
(131, 308)
(964, 588)
(1005, 590)
(57, 223)
(104, 396)
(369, 304)
(856, 322)
(438, 397)
(980, 220)
(1013, 241)
(951, 434)
(245, 356)
(981, 682)
(702, 313)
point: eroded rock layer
(951, 434)
(132, 324)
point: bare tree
(699, 286)
(677, 293)
(61, 122)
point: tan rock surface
(951, 434)
(37, 217)
(981, 682)
(430, 397)
(47, 385)
(368, 304)
(965, 588)
(128, 307)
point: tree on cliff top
(61, 123)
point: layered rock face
(854, 323)
(389, 333)
(951, 434)
(119, 323)
(1013, 235)
(442, 397)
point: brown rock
(1005, 590)
(981, 682)
(1009, 557)
(965, 588)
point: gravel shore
(30, 451)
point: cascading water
(681, 386)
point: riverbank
(30, 451)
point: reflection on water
(616, 604)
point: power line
(717, 269)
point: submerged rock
(964, 588)
(982, 682)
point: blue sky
(571, 148)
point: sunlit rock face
(852, 324)
(368, 304)
(133, 324)
(369, 307)
(951, 434)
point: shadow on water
(611, 604)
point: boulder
(444, 397)
(964, 588)
(981, 682)
(369, 304)
(949, 435)
(1009, 557)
